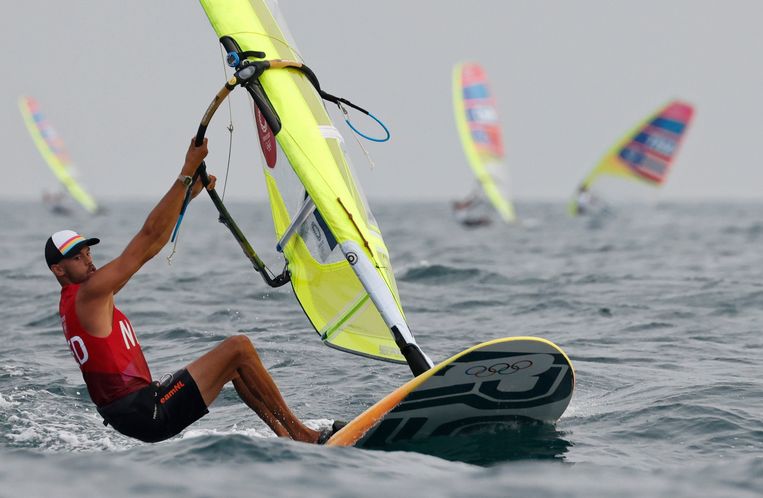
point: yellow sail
(338, 262)
(477, 122)
(52, 149)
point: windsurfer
(55, 202)
(103, 341)
(584, 199)
(465, 203)
(466, 211)
(644, 154)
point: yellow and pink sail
(53, 151)
(481, 136)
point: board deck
(489, 385)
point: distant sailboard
(335, 257)
(54, 152)
(478, 126)
(644, 154)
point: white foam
(28, 434)
(249, 432)
(6, 403)
(318, 424)
(52, 422)
(265, 432)
(12, 370)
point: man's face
(76, 269)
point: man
(584, 200)
(104, 344)
(470, 211)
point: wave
(437, 274)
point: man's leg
(235, 359)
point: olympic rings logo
(504, 368)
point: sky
(126, 87)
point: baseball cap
(65, 244)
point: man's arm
(96, 294)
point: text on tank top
(112, 366)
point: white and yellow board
(495, 383)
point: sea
(658, 305)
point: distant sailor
(469, 211)
(104, 343)
(584, 199)
(55, 202)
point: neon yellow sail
(338, 262)
(477, 122)
(645, 153)
(52, 149)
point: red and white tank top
(112, 366)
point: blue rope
(372, 139)
(177, 227)
(186, 201)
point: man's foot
(330, 431)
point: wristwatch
(185, 180)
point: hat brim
(78, 247)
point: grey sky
(125, 84)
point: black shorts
(159, 410)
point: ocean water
(660, 308)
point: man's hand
(194, 157)
(197, 186)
